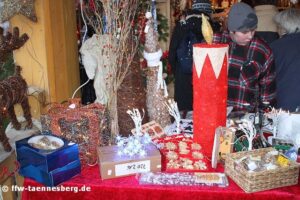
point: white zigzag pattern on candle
(216, 57)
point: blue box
(49, 167)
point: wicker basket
(259, 181)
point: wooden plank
(50, 57)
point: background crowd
(264, 64)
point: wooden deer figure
(13, 90)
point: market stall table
(129, 188)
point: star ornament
(9, 8)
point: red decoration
(210, 92)
(81, 124)
(179, 153)
(89, 186)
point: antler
(11, 42)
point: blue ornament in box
(48, 159)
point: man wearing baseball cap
(251, 72)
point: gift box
(180, 153)
(113, 165)
(80, 124)
(48, 166)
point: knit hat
(241, 18)
(202, 5)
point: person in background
(190, 22)
(287, 59)
(266, 27)
(251, 73)
(249, 2)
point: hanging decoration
(156, 86)
(9, 8)
(135, 144)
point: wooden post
(50, 57)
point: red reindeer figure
(13, 90)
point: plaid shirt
(251, 74)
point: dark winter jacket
(287, 65)
(183, 82)
(267, 36)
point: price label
(132, 168)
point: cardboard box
(112, 165)
(9, 194)
(8, 167)
(49, 167)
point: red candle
(210, 92)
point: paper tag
(132, 168)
